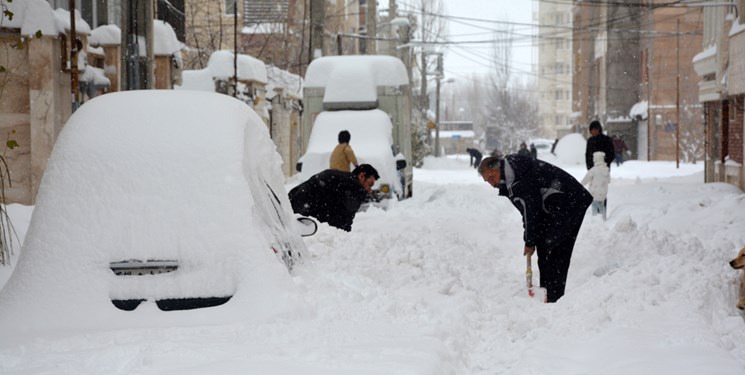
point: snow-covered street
(436, 285)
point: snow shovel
(537, 293)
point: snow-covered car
(154, 201)
(371, 141)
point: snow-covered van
(366, 95)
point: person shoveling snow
(552, 204)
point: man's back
(342, 157)
(330, 196)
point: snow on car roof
(151, 174)
(355, 78)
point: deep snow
(435, 285)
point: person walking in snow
(474, 157)
(533, 151)
(597, 180)
(619, 146)
(552, 204)
(523, 151)
(333, 196)
(343, 155)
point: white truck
(365, 95)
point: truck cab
(360, 94)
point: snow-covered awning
(639, 111)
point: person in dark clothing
(523, 151)
(620, 146)
(533, 151)
(553, 146)
(475, 157)
(333, 196)
(598, 142)
(552, 204)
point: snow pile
(165, 42)
(291, 84)
(639, 110)
(571, 150)
(436, 285)
(222, 66)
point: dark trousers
(553, 265)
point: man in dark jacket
(552, 204)
(333, 196)
(474, 157)
(598, 142)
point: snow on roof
(165, 42)
(292, 84)
(31, 16)
(711, 51)
(639, 110)
(737, 27)
(249, 68)
(63, 17)
(196, 80)
(351, 83)
(105, 35)
(383, 70)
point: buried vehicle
(370, 132)
(366, 95)
(154, 201)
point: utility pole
(74, 59)
(677, 97)
(235, 49)
(372, 27)
(317, 16)
(437, 106)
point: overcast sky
(463, 59)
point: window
(230, 7)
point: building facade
(554, 69)
(720, 66)
(674, 127)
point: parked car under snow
(151, 201)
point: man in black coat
(333, 196)
(598, 142)
(475, 157)
(552, 204)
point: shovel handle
(528, 272)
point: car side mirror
(400, 164)
(307, 226)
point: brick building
(720, 65)
(668, 83)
